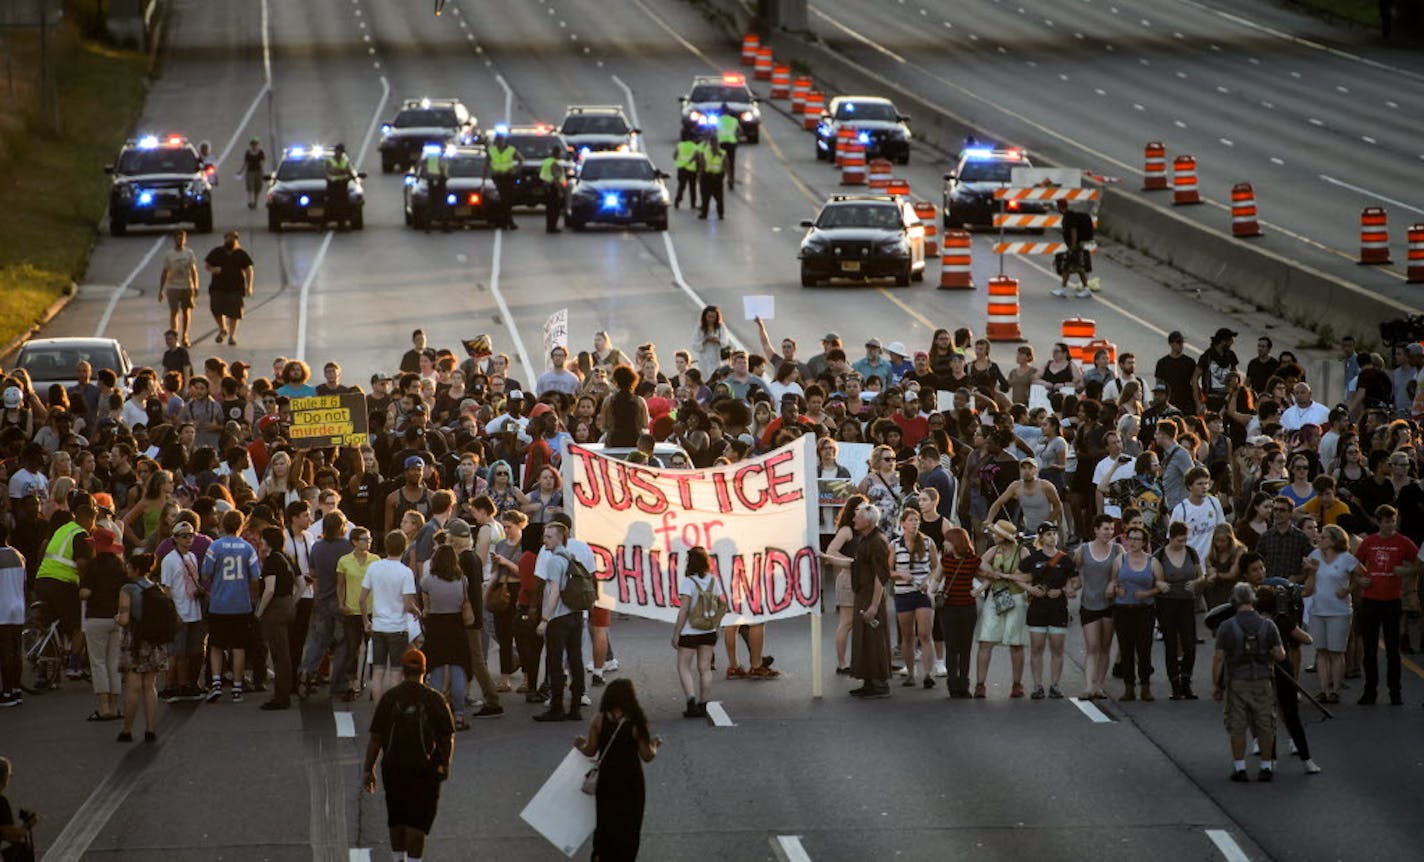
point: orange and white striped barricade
(780, 82)
(1415, 273)
(1003, 322)
(844, 138)
(928, 213)
(1033, 221)
(881, 172)
(897, 187)
(815, 107)
(1243, 211)
(1184, 181)
(1044, 193)
(1374, 236)
(750, 43)
(1101, 344)
(761, 70)
(955, 271)
(1154, 167)
(1078, 333)
(853, 165)
(800, 86)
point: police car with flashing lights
(703, 104)
(883, 130)
(298, 191)
(860, 237)
(160, 180)
(617, 188)
(468, 196)
(533, 143)
(420, 122)
(597, 128)
(969, 188)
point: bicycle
(45, 650)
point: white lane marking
(1367, 139)
(1391, 104)
(375, 121)
(1221, 89)
(718, 714)
(1277, 161)
(1226, 142)
(495, 256)
(1270, 106)
(1182, 75)
(1253, 61)
(858, 37)
(1137, 107)
(1316, 121)
(360, 854)
(1179, 124)
(1366, 192)
(1100, 91)
(687, 288)
(632, 110)
(1230, 850)
(124, 285)
(1295, 74)
(787, 848)
(1090, 709)
(508, 97)
(1342, 88)
(345, 725)
(304, 303)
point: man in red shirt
(914, 425)
(1387, 556)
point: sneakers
(610, 666)
(170, 694)
(940, 670)
(584, 700)
(1058, 291)
(910, 682)
(1054, 692)
(214, 694)
(691, 711)
(237, 695)
(1038, 693)
(1147, 693)
(550, 715)
(1266, 775)
(534, 697)
(488, 711)
(1240, 776)
(597, 680)
(1083, 293)
(929, 682)
(1312, 768)
(9, 699)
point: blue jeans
(325, 631)
(457, 684)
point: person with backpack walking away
(568, 592)
(1077, 258)
(1247, 645)
(150, 620)
(413, 734)
(619, 737)
(702, 604)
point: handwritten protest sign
(756, 518)
(328, 420)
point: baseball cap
(413, 659)
(267, 421)
(1159, 387)
(458, 527)
(12, 397)
(182, 527)
(107, 542)
(897, 348)
(1047, 526)
(379, 376)
(540, 409)
(240, 365)
(830, 336)
(1175, 335)
(872, 342)
(413, 461)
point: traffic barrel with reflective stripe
(897, 187)
(1243, 211)
(881, 172)
(761, 70)
(800, 86)
(750, 43)
(844, 138)
(1154, 168)
(853, 164)
(1374, 236)
(1184, 181)
(1003, 322)
(1097, 344)
(815, 106)
(1416, 254)
(1077, 333)
(927, 213)
(780, 82)
(955, 261)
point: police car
(883, 130)
(298, 190)
(969, 189)
(420, 122)
(617, 188)
(533, 143)
(160, 180)
(703, 104)
(860, 237)
(469, 195)
(596, 128)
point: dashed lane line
(787, 848)
(1230, 850)
(718, 714)
(1090, 709)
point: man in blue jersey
(231, 571)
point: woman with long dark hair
(711, 337)
(619, 737)
(838, 556)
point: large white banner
(756, 518)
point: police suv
(420, 122)
(160, 180)
(703, 104)
(883, 130)
(596, 128)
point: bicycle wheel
(42, 660)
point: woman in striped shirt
(915, 557)
(958, 566)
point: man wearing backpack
(1077, 257)
(562, 625)
(413, 733)
(1247, 646)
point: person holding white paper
(620, 739)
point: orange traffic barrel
(844, 138)
(800, 86)
(1077, 333)
(1374, 236)
(1416, 254)
(927, 213)
(764, 62)
(881, 172)
(897, 187)
(750, 43)
(853, 165)
(815, 106)
(1154, 168)
(1003, 322)
(1091, 351)
(781, 81)
(1184, 181)
(1243, 211)
(954, 272)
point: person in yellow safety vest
(504, 168)
(555, 181)
(711, 161)
(339, 174)
(729, 133)
(685, 159)
(435, 177)
(57, 580)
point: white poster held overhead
(556, 334)
(759, 306)
(560, 810)
(756, 518)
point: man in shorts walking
(231, 269)
(231, 571)
(1242, 669)
(179, 285)
(389, 591)
(413, 733)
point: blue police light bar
(148, 142)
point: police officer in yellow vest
(339, 174)
(685, 159)
(729, 133)
(435, 183)
(57, 580)
(555, 181)
(504, 168)
(711, 162)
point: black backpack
(158, 623)
(579, 592)
(409, 741)
(1253, 652)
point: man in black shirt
(1077, 230)
(1212, 369)
(922, 373)
(1261, 366)
(1176, 369)
(231, 269)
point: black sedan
(468, 195)
(618, 188)
(860, 237)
